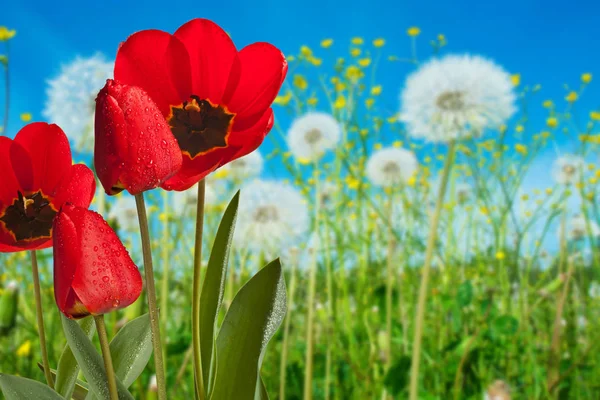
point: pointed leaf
(131, 349)
(68, 369)
(90, 361)
(214, 284)
(253, 318)
(17, 388)
(261, 390)
(79, 393)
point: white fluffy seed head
(313, 134)
(71, 98)
(455, 97)
(391, 166)
(249, 166)
(272, 217)
(568, 169)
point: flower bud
(93, 272)
(8, 307)
(134, 147)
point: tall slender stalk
(40, 318)
(151, 294)
(312, 283)
(164, 294)
(108, 365)
(196, 291)
(286, 330)
(389, 286)
(419, 317)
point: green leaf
(68, 369)
(464, 295)
(214, 285)
(505, 325)
(397, 376)
(131, 349)
(261, 390)
(81, 390)
(253, 318)
(17, 388)
(90, 361)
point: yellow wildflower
(353, 73)
(306, 51)
(315, 61)
(376, 90)
(303, 161)
(25, 349)
(355, 52)
(552, 122)
(326, 43)
(413, 31)
(340, 102)
(379, 42)
(364, 132)
(515, 79)
(221, 173)
(595, 116)
(548, 103)
(352, 183)
(397, 143)
(364, 62)
(357, 41)
(377, 146)
(519, 128)
(571, 97)
(6, 34)
(312, 101)
(26, 117)
(300, 82)
(521, 149)
(586, 78)
(283, 100)
(369, 103)
(500, 255)
(442, 39)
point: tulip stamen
(200, 126)
(29, 217)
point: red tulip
(37, 177)
(216, 99)
(93, 272)
(134, 148)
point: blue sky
(547, 42)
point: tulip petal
(192, 171)
(93, 271)
(212, 57)
(9, 185)
(263, 68)
(157, 62)
(50, 154)
(77, 188)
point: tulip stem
(423, 289)
(197, 288)
(151, 292)
(108, 365)
(40, 318)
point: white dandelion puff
(272, 218)
(124, 212)
(455, 97)
(391, 166)
(249, 166)
(311, 135)
(577, 228)
(568, 169)
(71, 98)
(186, 202)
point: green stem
(286, 331)
(151, 294)
(389, 288)
(312, 283)
(108, 365)
(419, 317)
(197, 288)
(164, 299)
(40, 318)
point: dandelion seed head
(391, 166)
(313, 134)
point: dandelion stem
(286, 331)
(196, 291)
(312, 283)
(108, 365)
(419, 317)
(389, 288)
(40, 318)
(151, 294)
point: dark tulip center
(29, 217)
(200, 126)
